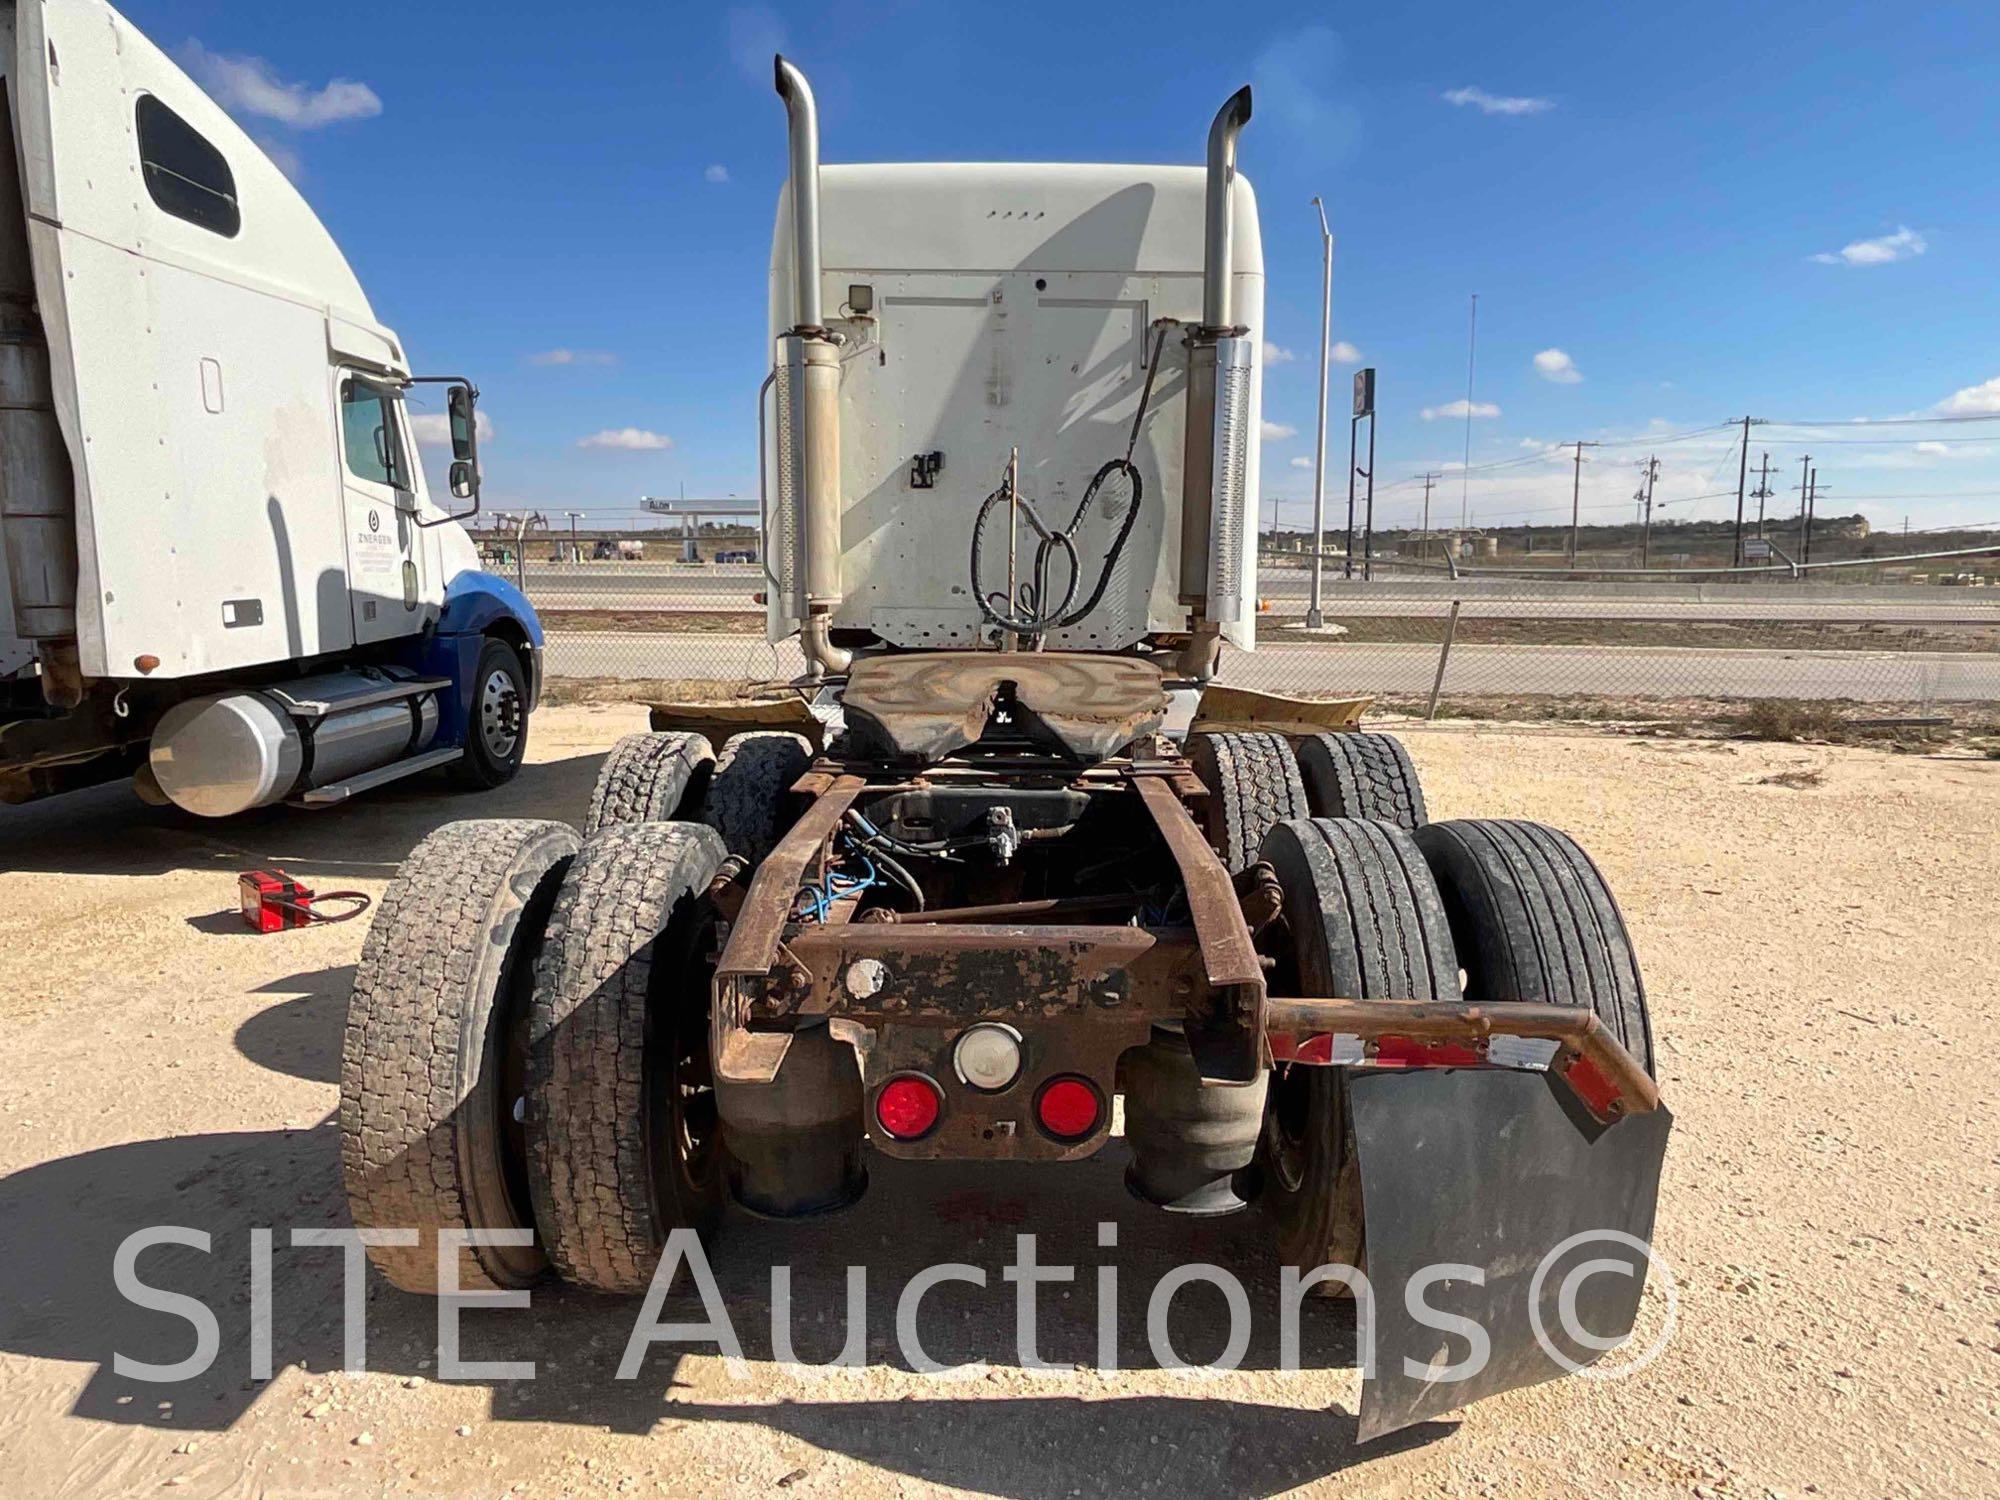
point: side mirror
(461, 405)
(464, 430)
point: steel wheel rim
(1288, 1118)
(499, 715)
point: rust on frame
(1228, 1043)
(752, 952)
(1606, 1078)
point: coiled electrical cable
(1029, 613)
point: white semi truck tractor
(224, 574)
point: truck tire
(623, 1143)
(496, 730)
(747, 797)
(650, 777)
(431, 1063)
(1362, 919)
(1534, 920)
(1360, 774)
(1253, 785)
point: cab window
(185, 175)
(368, 433)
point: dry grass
(1803, 779)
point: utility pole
(1368, 536)
(1742, 478)
(1576, 500)
(1429, 480)
(1763, 492)
(1812, 494)
(1471, 363)
(1315, 614)
(1347, 560)
(1805, 482)
(1646, 526)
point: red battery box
(273, 901)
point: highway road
(653, 586)
(1340, 666)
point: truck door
(378, 489)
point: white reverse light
(988, 1056)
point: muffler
(1215, 474)
(806, 521)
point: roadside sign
(1756, 549)
(1364, 392)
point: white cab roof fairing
(193, 370)
(1014, 306)
(82, 173)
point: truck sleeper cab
(220, 543)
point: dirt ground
(1818, 929)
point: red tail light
(908, 1107)
(1069, 1108)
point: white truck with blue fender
(224, 573)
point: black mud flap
(1494, 1169)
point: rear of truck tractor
(993, 899)
(993, 903)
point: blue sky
(1688, 211)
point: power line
(1887, 421)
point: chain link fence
(1490, 646)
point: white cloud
(573, 357)
(249, 86)
(1974, 401)
(1273, 431)
(1904, 244)
(1277, 355)
(1302, 462)
(1460, 409)
(627, 440)
(1497, 104)
(1345, 353)
(435, 427)
(1940, 450)
(715, 172)
(1555, 366)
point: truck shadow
(107, 830)
(301, 1036)
(62, 1222)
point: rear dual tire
(434, 1051)
(623, 1136)
(651, 777)
(527, 1050)
(1373, 912)
(1358, 773)
(1362, 919)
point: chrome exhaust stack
(1214, 499)
(805, 523)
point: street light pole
(1315, 612)
(574, 516)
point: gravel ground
(1818, 931)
